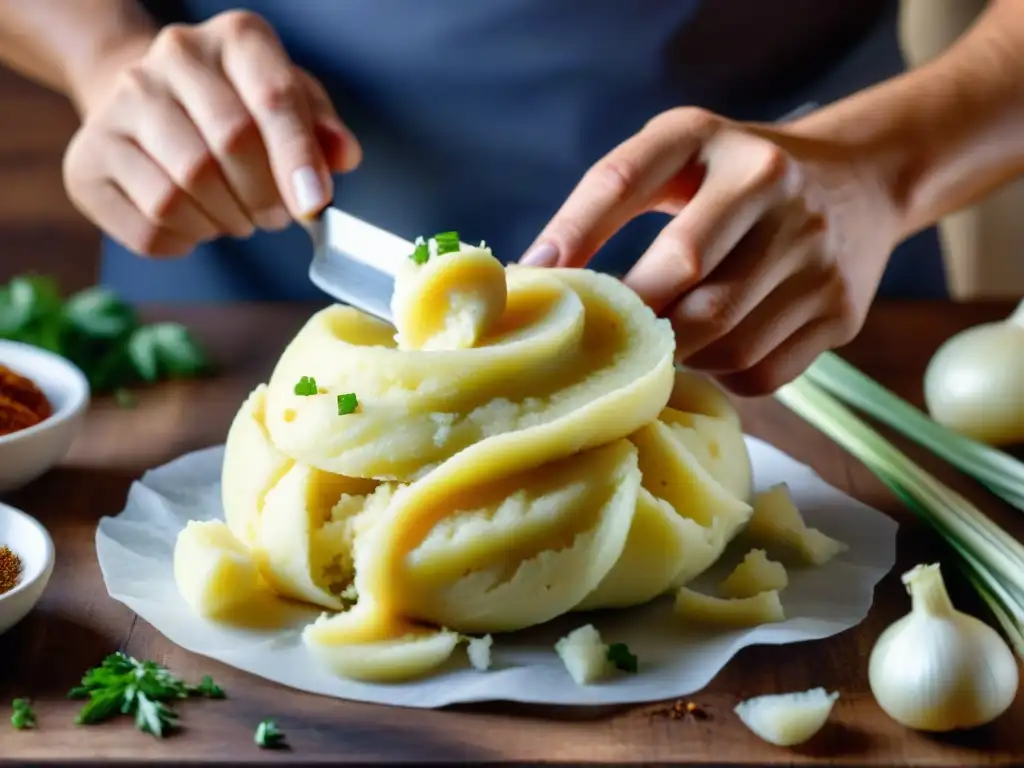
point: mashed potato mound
(521, 448)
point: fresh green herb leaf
(96, 331)
(306, 386)
(447, 242)
(165, 349)
(102, 705)
(99, 314)
(421, 251)
(620, 655)
(141, 689)
(23, 715)
(208, 689)
(347, 404)
(154, 717)
(269, 736)
(27, 304)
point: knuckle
(615, 177)
(191, 169)
(280, 95)
(695, 121)
(161, 204)
(237, 23)
(230, 133)
(174, 40)
(710, 308)
(769, 168)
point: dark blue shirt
(481, 115)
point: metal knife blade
(356, 262)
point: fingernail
(544, 255)
(273, 219)
(308, 190)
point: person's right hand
(210, 130)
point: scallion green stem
(992, 558)
(998, 471)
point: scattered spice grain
(10, 569)
(681, 709)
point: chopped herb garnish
(23, 716)
(208, 689)
(306, 386)
(123, 685)
(421, 252)
(447, 242)
(347, 403)
(620, 655)
(269, 736)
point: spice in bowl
(22, 403)
(10, 569)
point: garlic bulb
(938, 669)
(974, 383)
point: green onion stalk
(991, 559)
(1001, 473)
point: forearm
(945, 135)
(65, 43)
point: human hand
(207, 130)
(776, 246)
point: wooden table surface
(76, 623)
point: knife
(356, 262)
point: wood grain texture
(40, 231)
(77, 623)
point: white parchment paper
(135, 553)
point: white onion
(974, 383)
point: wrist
(91, 76)
(862, 144)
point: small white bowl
(34, 547)
(29, 453)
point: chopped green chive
(347, 403)
(306, 387)
(23, 716)
(421, 253)
(268, 735)
(620, 655)
(447, 242)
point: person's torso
(482, 116)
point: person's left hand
(775, 248)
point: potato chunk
(762, 608)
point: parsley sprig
(99, 333)
(141, 689)
(23, 715)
